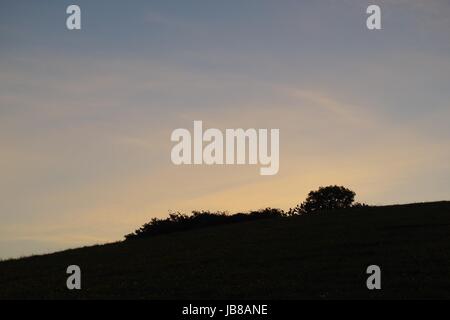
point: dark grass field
(322, 256)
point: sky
(86, 115)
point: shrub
(324, 199)
(179, 221)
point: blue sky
(86, 116)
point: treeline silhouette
(324, 199)
(181, 222)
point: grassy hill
(315, 256)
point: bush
(360, 205)
(324, 199)
(180, 222)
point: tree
(326, 198)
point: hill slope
(316, 256)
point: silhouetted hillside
(310, 256)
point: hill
(317, 256)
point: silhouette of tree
(326, 198)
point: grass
(322, 256)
